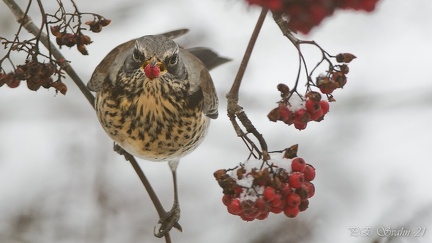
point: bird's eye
(137, 56)
(174, 59)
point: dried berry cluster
(97, 24)
(305, 14)
(80, 40)
(299, 110)
(255, 189)
(36, 74)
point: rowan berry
(296, 179)
(293, 199)
(269, 194)
(291, 212)
(298, 164)
(325, 106)
(235, 207)
(309, 173)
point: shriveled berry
(274, 115)
(291, 152)
(283, 88)
(309, 173)
(269, 194)
(296, 179)
(310, 188)
(291, 212)
(298, 164)
(104, 22)
(219, 174)
(226, 200)
(313, 96)
(339, 79)
(345, 57)
(69, 39)
(293, 199)
(304, 205)
(248, 207)
(82, 49)
(302, 192)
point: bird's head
(157, 56)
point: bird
(155, 100)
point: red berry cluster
(299, 111)
(36, 74)
(254, 190)
(305, 14)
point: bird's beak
(153, 68)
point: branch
(236, 111)
(28, 24)
(25, 21)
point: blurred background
(60, 181)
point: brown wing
(111, 64)
(210, 58)
(200, 82)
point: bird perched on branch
(155, 100)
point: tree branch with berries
(263, 185)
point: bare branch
(236, 111)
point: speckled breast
(151, 123)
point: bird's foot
(168, 221)
(121, 151)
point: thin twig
(25, 21)
(236, 111)
(233, 94)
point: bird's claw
(123, 152)
(168, 221)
